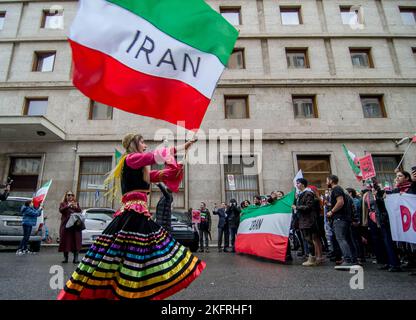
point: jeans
(226, 232)
(27, 230)
(308, 236)
(203, 234)
(377, 243)
(233, 233)
(358, 244)
(342, 231)
(392, 258)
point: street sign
(231, 182)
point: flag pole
(404, 154)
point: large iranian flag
(264, 231)
(40, 195)
(157, 58)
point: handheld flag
(354, 163)
(167, 56)
(40, 195)
(117, 155)
(298, 176)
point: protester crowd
(343, 226)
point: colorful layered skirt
(134, 258)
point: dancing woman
(135, 258)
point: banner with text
(402, 215)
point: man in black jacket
(164, 208)
(204, 228)
(223, 227)
(233, 213)
(307, 213)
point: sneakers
(21, 252)
(320, 261)
(201, 250)
(206, 250)
(310, 262)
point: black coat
(306, 209)
(233, 213)
(223, 221)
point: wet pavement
(227, 277)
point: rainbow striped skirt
(134, 258)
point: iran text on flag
(264, 231)
(157, 58)
(353, 161)
(40, 195)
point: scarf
(403, 187)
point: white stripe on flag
(110, 29)
(278, 224)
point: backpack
(350, 209)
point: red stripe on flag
(38, 200)
(265, 245)
(106, 80)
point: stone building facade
(311, 74)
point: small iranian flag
(40, 195)
(157, 58)
(117, 155)
(353, 161)
(264, 231)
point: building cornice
(253, 36)
(243, 83)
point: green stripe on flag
(190, 21)
(282, 206)
(353, 166)
(117, 155)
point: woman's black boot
(75, 257)
(65, 257)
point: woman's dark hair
(406, 175)
(28, 202)
(257, 197)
